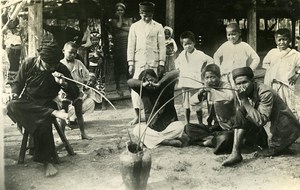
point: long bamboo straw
(89, 88)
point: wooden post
(293, 31)
(170, 13)
(252, 26)
(35, 27)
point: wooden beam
(293, 32)
(14, 15)
(35, 27)
(170, 13)
(8, 4)
(252, 26)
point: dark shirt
(149, 96)
(39, 85)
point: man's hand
(8, 98)
(58, 78)
(202, 93)
(241, 93)
(160, 71)
(293, 79)
(130, 70)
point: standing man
(63, 34)
(146, 49)
(261, 107)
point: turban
(147, 6)
(243, 71)
(212, 68)
(50, 53)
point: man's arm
(161, 45)
(134, 84)
(131, 50)
(261, 115)
(218, 56)
(255, 58)
(69, 87)
(170, 76)
(20, 80)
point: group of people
(240, 110)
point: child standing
(234, 53)
(79, 73)
(190, 63)
(171, 49)
(282, 66)
(96, 60)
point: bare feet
(84, 136)
(61, 114)
(50, 170)
(171, 142)
(233, 158)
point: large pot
(135, 167)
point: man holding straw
(162, 126)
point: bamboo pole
(14, 14)
(170, 13)
(8, 4)
(35, 27)
(252, 26)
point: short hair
(71, 44)
(212, 68)
(146, 72)
(284, 32)
(234, 26)
(188, 34)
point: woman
(120, 30)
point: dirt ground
(96, 163)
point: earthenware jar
(135, 167)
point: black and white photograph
(150, 94)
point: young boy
(282, 66)
(234, 53)
(80, 74)
(190, 62)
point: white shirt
(234, 56)
(190, 66)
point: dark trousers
(37, 120)
(255, 135)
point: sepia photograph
(150, 94)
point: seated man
(261, 107)
(33, 90)
(162, 128)
(219, 135)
